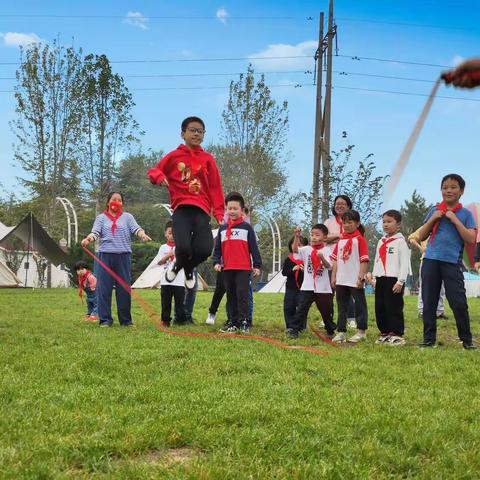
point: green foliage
(86, 402)
(250, 157)
(142, 255)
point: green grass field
(78, 401)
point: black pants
(193, 236)
(291, 300)
(433, 273)
(218, 294)
(343, 294)
(389, 307)
(324, 303)
(237, 283)
(169, 292)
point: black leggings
(193, 237)
(237, 284)
(218, 294)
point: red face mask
(115, 206)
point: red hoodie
(193, 179)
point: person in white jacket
(390, 270)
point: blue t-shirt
(447, 244)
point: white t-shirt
(349, 270)
(180, 278)
(322, 281)
(397, 258)
(334, 228)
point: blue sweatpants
(120, 263)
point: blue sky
(378, 123)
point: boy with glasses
(193, 181)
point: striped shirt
(122, 240)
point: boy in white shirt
(316, 280)
(171, 290)
(390, 270)
(350, 257)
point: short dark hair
(80, 264)
(169, 224)
(320, 226)
(343, 197)
(190, 120)
(111, 194)
(235, 197)
(456, 178)
(246, 210)
(395, 214)
(303, 243)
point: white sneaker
(189, 280)
(211, 319)
(351, 323)
(340, 337)
(358, 337)
(382, 339)
(171, 272)
(396, 341)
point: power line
(391, 60)
(155, 17)
(404, 24)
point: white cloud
(137, 20)
(15, 39)
(304, 49)
(457, 60)
(222, 15)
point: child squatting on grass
(193, 181)
(449, 226)
(390, 271)
(316, 280)
(350, 262)
(237, 250)
(171, 290)
(87, 283)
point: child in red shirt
(193, 181)
(87, 283)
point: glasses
(196, 130)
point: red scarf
(171, 244)
(316, 262)
(231, 225)
(444, 209)
(382, 251)
(296, 272)
(347, 249)
(82, 281)
(113, 219)
(340, 224)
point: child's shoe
(291, 333)
(92, 318)
(211, 319)
(171, 272)
(189, 280)
(351, 323)
(358, 337)
(383, 338)
(396, 341)
(244, 328)
(340, 337)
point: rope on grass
(153, 315)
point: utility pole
(317, 152)
(321, 161)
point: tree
(250, 158)
(108, 125)
(48, 106)
(413, 213)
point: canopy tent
(36, 239)
(7, 277)
(275, 285)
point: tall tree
(48, 106)
(108, 125)
(251, 155)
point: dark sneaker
(226, 327)
(426, 345)
(442, 316)
(292, 333)
(105, 325)
(171, 272)
(244, 328)
(469, 346)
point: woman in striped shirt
(114, 228)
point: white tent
(7, 277)
(275, 285)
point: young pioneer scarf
(347, 249)
(296, 273)
(383, 250)
(115, 206)
(317, 264)
(442, 207)
(82, 281)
